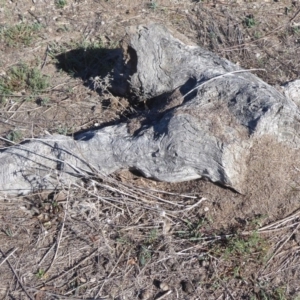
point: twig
(295, 15)
(280, 222)
(129, 189)
(191, 206)
(32, 14)
(11, 253)
(223, 283)
(175, 194)
(109, 274)
(60, 235)
(15, 111)
(19, 281)
(220, 76)
(46, 56)
(43, 258)
(281, 246)
(98, 196)
(65, 272)
(19, 111)
(164, 295)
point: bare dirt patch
(125, 237)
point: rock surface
(206, 114)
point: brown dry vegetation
(125, 237)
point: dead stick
(100, 290)
(60, 235)
(19, 281)
(64, 273)
(164, 295)
(11, 253)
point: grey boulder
(205, 113)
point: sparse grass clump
(20, 34)
(64, 130)
(194, 230)
(14, 136)
(60, 3)
(40, 274)
(22, 78)
(250, 21)
(242, 246)
(153, 5)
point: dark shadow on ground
(89, 63)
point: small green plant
(123, 241)
(243, 246)
(193, 231)
(60, 3)
(40, 274)
(152, 237)
(14, 136)
(36, 81)
(257, 34)
(153, 5)
(257, 221)
(20, 78)
(250, 21)
(144, 255)
(8, 232)
(266, 292)
(296, 30)
(63, 130)
(20, 34)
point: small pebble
(163, 286)
(204, 263)
(145, 295)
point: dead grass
(115, 240)
(124, 237)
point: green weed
(153, 5)
(60, 3)
(296, 30)
(267, 293)
(64, 130)
(22, 77)
(144, 255)
(20, 34)
(146, 248)
(40, 274)
(257, 35)
(152, 237)
(14, 136)
(257, 221)
(241, 245)
(193, 231)
(123, 241)
(250, 21)
(9, 232)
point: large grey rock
(205, 115)
(292, 91)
